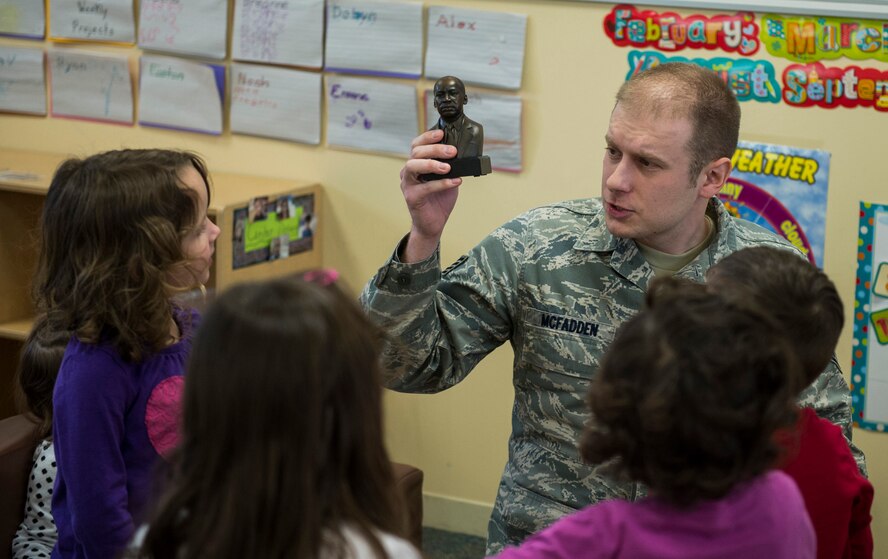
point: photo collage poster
(273, 229)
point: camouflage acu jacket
(557, 284)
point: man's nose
(619, 177)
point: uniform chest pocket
(572, 345)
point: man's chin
(616, 227)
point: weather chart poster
(782, 189)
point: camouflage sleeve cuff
(398, 277)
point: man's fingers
(417, 167)
(433, 151)
(427, 137)
(419, 193)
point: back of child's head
(801, 298)
(112, 230)
(283, 440)
(689, 395)
(39, 364)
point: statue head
(450, 96)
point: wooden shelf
(27, 171)
(16, 329)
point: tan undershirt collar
(669, 264)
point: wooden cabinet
(24, 181)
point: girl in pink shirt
(687, 401)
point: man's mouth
(616, 210)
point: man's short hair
(678, 89)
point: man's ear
(714, 176)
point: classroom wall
(571, 73)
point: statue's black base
(462, 167)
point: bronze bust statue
(461, 132)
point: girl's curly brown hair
(690, 395)
(111, 234)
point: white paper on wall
(500, 115)
(276, 102)
(480, 47)
(370, 114)
(287, 32)
(23, 18)
(22, 80)
(91, 86)
(167, 83)
(374, 37)
(92, 20)
(193, 27)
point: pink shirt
(764, 518)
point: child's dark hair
(690, 394)
(112, 230)
(282, 440)
(802, 299)
(38, 368)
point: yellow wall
(571, 73)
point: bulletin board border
(862, 307)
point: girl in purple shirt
(123, 232)
(687, 401)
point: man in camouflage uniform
(559, 280)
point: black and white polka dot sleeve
(37, 534)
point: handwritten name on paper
(481, 47)
(380, 37)
(158, 22)
(451, 22)
(91, 86)
(22, 81)
(276, 103)
(373, 115)
(287, 32)
(181, 94)
(67, 66)
(261, 23)
(250, 91)
(355, 14)
(252, 82)
(194, 27)
(337, 91)
(165, 72)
